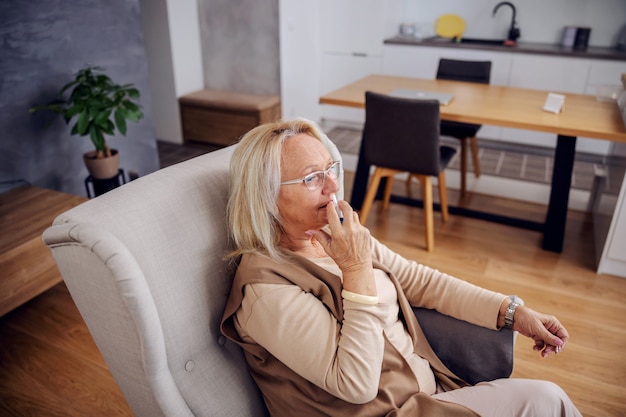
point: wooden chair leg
(463, 166)
(379, 173)
(429, 222)
(475, 160)
(443, 196)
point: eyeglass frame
(324, 173)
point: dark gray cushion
(473, 353)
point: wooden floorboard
(592, 368)
(49, 365)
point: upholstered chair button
(189, 366)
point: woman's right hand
(349, 245)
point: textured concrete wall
(43, 43)
(240, 45)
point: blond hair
(253, 217)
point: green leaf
(108, 127)
(133, 93)
(73, 111)
(120, 121)
(83, 123)
(134, 116)
(129, 105)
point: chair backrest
(401, 133)
(471, 71)
(144, 265)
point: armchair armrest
(473, 353)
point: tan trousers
(513, 397)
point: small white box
(554, 103)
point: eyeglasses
(315, 180)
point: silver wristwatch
(510, 314)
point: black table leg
(554, 226)
(361, 176)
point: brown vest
(288, 394)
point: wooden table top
(25, 212)
(582, 115)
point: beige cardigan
(286, 393)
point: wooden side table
(222, 117)
(26, 265)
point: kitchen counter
(593, 52)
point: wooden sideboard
(26, 265)
(222, 117)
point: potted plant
(99, 107)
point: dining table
(486, 104)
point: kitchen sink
(480, 41)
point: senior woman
(322, 309)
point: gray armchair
(144, 266)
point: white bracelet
(370, 300)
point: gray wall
(240, 45)
(44, 42)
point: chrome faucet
(514, 31)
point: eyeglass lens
(316, 179)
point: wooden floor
(49, 365)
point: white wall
(538, 20)
(300, 58)
(172, 40)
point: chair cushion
(446, 153)
(458, 130)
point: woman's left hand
(549, 334)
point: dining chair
(470, 71)
(402, 135)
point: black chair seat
(459, 130)
(446, 153)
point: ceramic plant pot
(102, 168)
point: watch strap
(509, 316)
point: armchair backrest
(144, 266)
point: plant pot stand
(101, 186)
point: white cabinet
(352, 26)
(604, 73)
(541, 72)
(339, 70)
(613, 257)
(352, 35)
